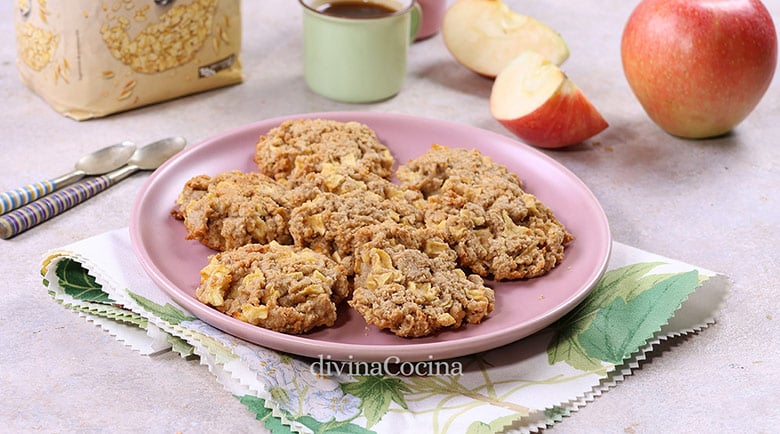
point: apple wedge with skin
(538, 103)
(485, 35)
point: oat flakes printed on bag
(90, 58)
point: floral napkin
(530, 384)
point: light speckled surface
(712, 203)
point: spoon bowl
(106, 159)
(154, 154)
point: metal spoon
(97, 163)
(149, 157)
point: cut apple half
(485, 35)
(538, 103)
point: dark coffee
(356, 9)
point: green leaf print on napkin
(621, 328)
(624, 310)
(275, 425)
(498, 425)
(375, 395)
(257, 406)
(76, 281)
(168, 313)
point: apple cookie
(328, 222)
(407, 282)
(281, 288)
(234, 208)
(480, 208)
(302, 146)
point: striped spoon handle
(13, 199)
(34, 213)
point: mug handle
(415, 21)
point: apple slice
(485, 35)
(537, 102)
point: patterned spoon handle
(39, 211)
(13, 199)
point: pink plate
(522, 307)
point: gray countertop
(712, 203)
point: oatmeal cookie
(233, 209)
(281, 288)
(298, 147)
(498, 230)
(328, 222)
(407, 282)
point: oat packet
(90, 58)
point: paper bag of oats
(90, 58)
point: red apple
(537, 102)
(699, 67)
(485, 35)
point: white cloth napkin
(641, 300)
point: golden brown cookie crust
(281, 288)
(498, 230)
(233, 209)
(301, 146)
(406, 282)
(328, 222)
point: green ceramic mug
(354, 58)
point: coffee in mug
(356, 9)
